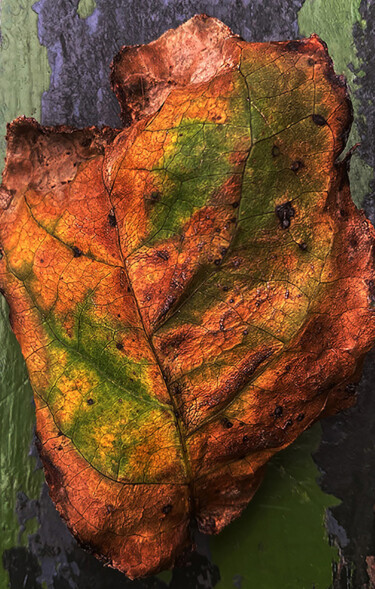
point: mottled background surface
(311, 525)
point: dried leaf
(190, 292)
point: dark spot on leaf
(112, 219)
(294, 45)
(172, 343)
(59, 433)
(278, 411)
(302, 246)
(119, 346)
(318, 120)
(300, 416)
(154, 196)
(275, 151)
(245, 439)
(167, 508)
(225, 288)
(296, 165)
(236, 204)
(310, 61)
(177, 390)
(285, 213)
(76, 251)
(226, 423)
(223, 250)
(169, 302)
(245, 331)
(218, 261)
(176, 414)
(163, 254)
(90, 401)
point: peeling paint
(86, 8)
(24, 69)
(16, 424)
(334, 22)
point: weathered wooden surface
(281, 540)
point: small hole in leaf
(285, 213)
(112, 219)
(167, 508)
(278, 411)
(163, 255)
(77, 253)
(351, 388)
(90, 401)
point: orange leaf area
(190, 292)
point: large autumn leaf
(191, 292)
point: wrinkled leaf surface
(190, 292)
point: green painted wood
(24, 75)
(86, 8)
(280, 540)
(334, 22)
